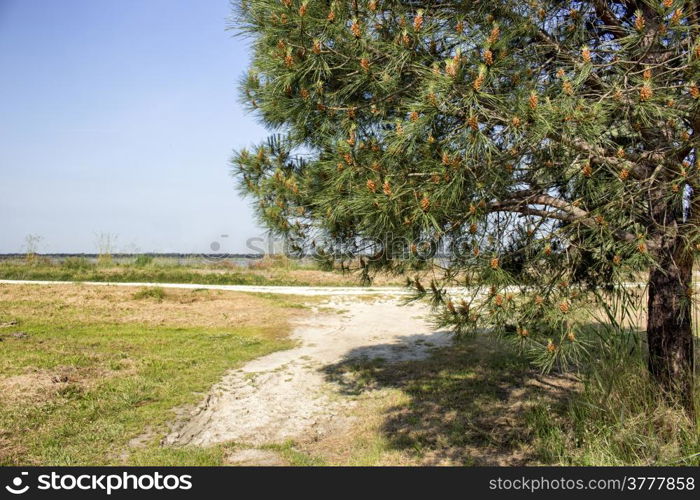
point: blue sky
(120, 117)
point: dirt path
(286, 395)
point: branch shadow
(467, 402)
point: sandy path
(285, 395)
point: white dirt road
(286, 290)
(286, 395)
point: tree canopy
(550, 146)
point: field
(275, 270)
(84, 371)
(97, 375)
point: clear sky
(120, 117)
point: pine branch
(599, 155)
(612, 23)
(522, 201)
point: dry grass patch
(86, 370)
(85, 304)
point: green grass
(84, 425)
(191, 456)
(131, 274)
(150, 293)
(295, 458)
(143, 261)
(618, 418)
(91, 387)
(144, 269)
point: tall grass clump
(105, 243)
(31, 244)
(619, 418)
(150, 293)
(271, 262)
(76, 263)
(143, 260)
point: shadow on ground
(466, 404)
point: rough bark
(669, 325)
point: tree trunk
(669, 328)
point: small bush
(143, 260)
(36, 260)
(76, 263)
(272, 262)
(225, 264)
(105, 259)
(150, 293)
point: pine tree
(552, 145)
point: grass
(150, 293)
(91, 377)
(479, 403)
(174, 457)
(143, 261)
(146, 269)
(618, 418)
(454, 408)
(293, 457)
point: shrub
(143, 260)
(76, 263)
(150, 293)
